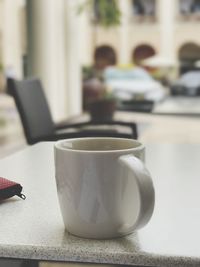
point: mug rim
(58, 145)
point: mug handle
(135, 169)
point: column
(12, 49)
(85, 36)
(124, 53)
(167, 24)
(73, 44)
(50, 53)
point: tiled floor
(166, 129)
(11, 133)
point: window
(190, 9)
(189, 54)
(144, 8)
(104, 56)
(185, 6)
(96, 12)
(141, 52)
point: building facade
(59, 40)
(165, 27)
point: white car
(133, 84)
(188, 84)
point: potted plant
(103, 108)
(106, 12)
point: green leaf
(109, 13)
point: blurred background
(144, 54)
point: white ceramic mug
(104, 189)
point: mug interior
(98, 144)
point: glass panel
(144, 7)
(189, 9)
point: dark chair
(136, 105)
(38, 124)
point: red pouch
(9, 189)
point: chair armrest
(80, 125)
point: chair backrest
(33, 108)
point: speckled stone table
(33, 229)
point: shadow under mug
(104, 188)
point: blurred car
(134, 83)
(188, 84)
